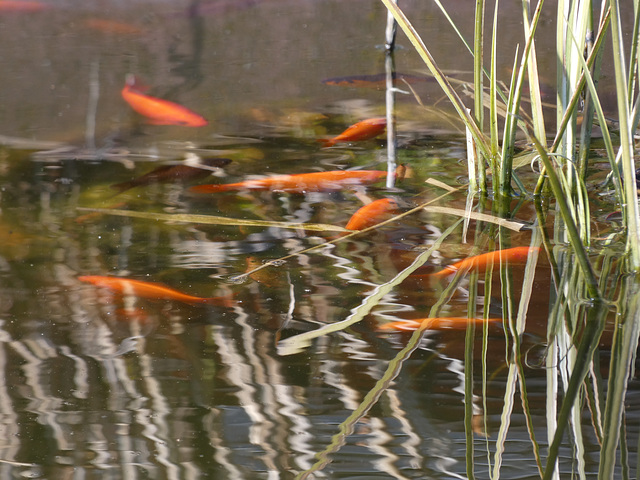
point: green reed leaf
(214, 220)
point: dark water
(101, 386)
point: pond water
(99, 383)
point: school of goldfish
(155, 110)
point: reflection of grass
(579, 298)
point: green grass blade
(213, 220)
(574, 236)
(493, 93)
(625, 345)
(478, 65)
(515, 96)
(631, 211)
(534, 83)
(449, 91)
(297, 343)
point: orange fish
(357, 132)
(150, 290)
(158, 111)
(173, 173)
(372, 214)
(271, 278)
(480, 263)
(300, 183)
(433, 323)
(112, 27)
(25, 6)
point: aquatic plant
(581, 294)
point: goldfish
(158, 111)
(270, 278)
(7, 6)
(112, 27)
(480, 263)
(150, 290)
(377, 81)
(364, 130)
(434, 323)
(173, 173)
(300, 183)
(372, 214)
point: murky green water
(97, 385)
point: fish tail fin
(223, 301)
(401, 171)
(326, 142)
(210, 188)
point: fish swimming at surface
(150, 290)
(156, 110)
(372, 214)
(364, 130)
(300, 183)
(480, 263)
(26, 6)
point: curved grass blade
(481, 217)
(574, 236)
(241, 277)
(626, 139)
(214, 220)
(625, 345)
(424, 53)
(371, 398)
(297, 343)
(395, 365)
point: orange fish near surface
(372, 214)
(480, 263)
(151, 290)
(8, 6)
(300, 183)
(112, 27)
(364, 130)
(158, 111)
(434, 323)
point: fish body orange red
(480, 263)
(150, 290)
(26, 6)
(112, 27)
(364, 130)
(372, 214)
(300, 183)
(433, 323)
(158, 111)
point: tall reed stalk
(578, 315)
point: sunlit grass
(577, 317)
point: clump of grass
(564, 162)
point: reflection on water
(104, 384)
